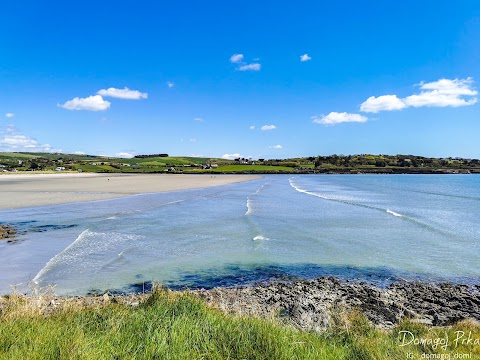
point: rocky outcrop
(7, 232)
(314, 304)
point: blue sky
(204, 78)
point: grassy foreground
(179, 326)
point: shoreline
(315, 304)
(310, 304)
(31, 190)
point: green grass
(22, 156)
(171, 160)
(179, 326)
(239, 168)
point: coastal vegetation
(178, 325)
(163, 163)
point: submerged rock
(7, 232)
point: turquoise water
(379, 228)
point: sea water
(378, 228)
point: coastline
(308, 305)
(29, 190)
(315, 304)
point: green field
(364, 163)
(253, 168)
(179, 326)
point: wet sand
(28, 190)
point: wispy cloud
(79, 152)
(440, 93)
(125, 154)
(252, 127)
(244, 65)
(250, 67)
(236, 58)
(124, 93)
(231, 156)
(9, 115)
(276, 147)
(91, 103)
(305, 57)
(170, 84)
(12, 139)
(336, 118)
(268, 127)
(198, 119)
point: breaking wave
(390, 212)
(86, 255)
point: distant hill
(163, 163)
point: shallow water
(373, 227)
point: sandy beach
(27, 190)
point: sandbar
(28, 190)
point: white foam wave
(394, 213)
(112, 218)
(249, 207)
(260, 238)
(292, 184)
(88, 253)
(343, 200)
(51, 263)
(261, 187)
(340, 198)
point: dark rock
(311, 304)
(7, 232)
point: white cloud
(337, 118)
(9, 115)
(305, 57)
(124, 93)
(13, 140)
(440, 93)
(236, 58)
(268, 127)
(170, 84)
(382, 103)
(276, 147)
(451, 87)
(125, 155)
(79, 153)
(433, 99)
(250, 67)
(231, 156)
(444, 92)
(91, 103)
(192, 140)
(198, 119)
(252, 127)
